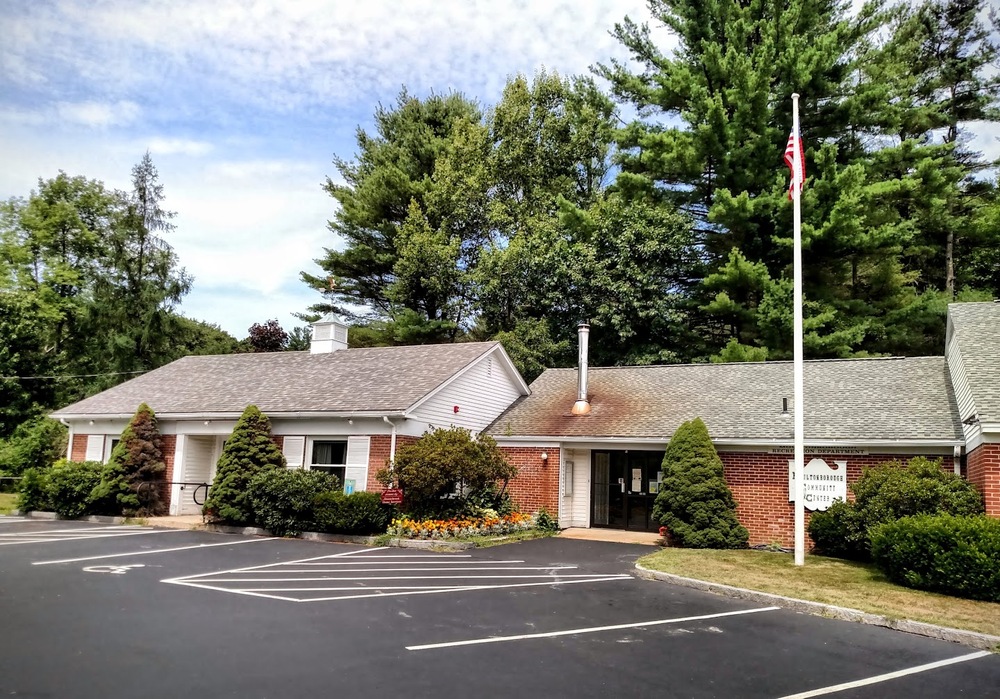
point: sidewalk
(619, 536)
(177, 522)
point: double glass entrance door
(625, 484)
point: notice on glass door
(636, 480)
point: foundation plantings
(248, 452)
(133, 479)
(694, 503)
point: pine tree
(132, 482)
(694, 502)
(248, 451)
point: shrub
(135, 461)
(489, 497)
(546, 522)
(33, 491)
(358, 513)
(694, 502)
(71, 485)
(283, 499)
(445, 465)
(248, 451)
(941, 553)
(36, 443)
(886, 493)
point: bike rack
(198, 488)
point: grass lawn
(7, 502)
(828, 580)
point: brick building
(588, 442)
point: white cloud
(175, 146)
(98, 114)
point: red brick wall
(536, 484)
(168, 446)
(760, 485)
(79, 451)
(984, 472)
(378, 456)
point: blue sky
(244, 104)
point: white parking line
(277, 580)
(35, 538)
(592, 629)
(887, 676)
(8, 520)
(148, 552)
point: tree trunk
(949, 264)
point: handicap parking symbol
(113, 569)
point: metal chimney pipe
(582, 405)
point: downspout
(69, 446)
(392, 441)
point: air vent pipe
(582, 405)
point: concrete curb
(968, 638)
(96, 519)
(346, 538)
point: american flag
(798, 178)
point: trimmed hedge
(283, 499)
(358, 513)
(70, 485)
(33, 491)
(941, 553)
(885, 494)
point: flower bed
(407, 528)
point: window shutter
(95, 447)
(357, 462)
(294, 449)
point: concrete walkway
(619, 536)
(177, 522)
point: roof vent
(582, 405)
(328, 335)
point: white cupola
(328, 335)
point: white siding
(294, 450)
(574, 488)
(199, 462)
(357, 461)
(483, 392)
(963, 392)
(95, 448)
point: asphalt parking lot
(89, 610)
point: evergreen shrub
(694, 501)
(71, 485)
(886, 493)
(248, 451)
(33, 491)
(360, 513)
(283, 499)
(133, 480)
(941, 553)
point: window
(329, 456)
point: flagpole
(799, 418)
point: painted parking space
(75, 533)
(384, 573)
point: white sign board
(822, 484)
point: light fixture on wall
(350, 421)
(545, 458)
(208, 422)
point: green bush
(953, 555)
(71, 485)
(491, 498)
(886, 493)
(359, 513)
(438, 472)
(283, 499)
(36, 443)
(33, 491)
(136, 460)
(546, 522)
(694, 502)
(248, 451)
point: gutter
(942, 443)
(236, 415)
